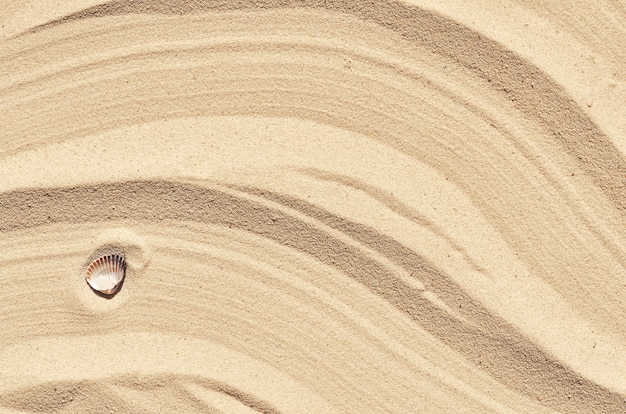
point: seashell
(105, 274)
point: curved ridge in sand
(324, 206)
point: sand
(324, 206)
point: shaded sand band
(324, 207)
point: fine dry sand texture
(325, 206)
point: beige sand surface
(325, 206)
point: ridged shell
(106, 273)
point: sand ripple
(325, 206)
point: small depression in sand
(321, 206)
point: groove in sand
(327, 206)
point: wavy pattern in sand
(324, 207)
